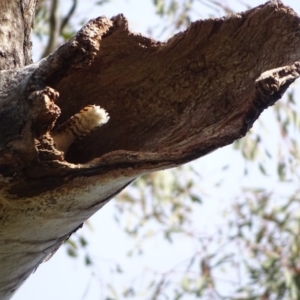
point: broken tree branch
(169, 103)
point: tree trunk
(16, 22)
(169, 103)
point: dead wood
(169, 103)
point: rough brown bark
(169, 103)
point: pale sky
(63, 278)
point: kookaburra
(78, 126)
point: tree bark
(169, 103)
(16, 22)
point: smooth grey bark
(169, 103)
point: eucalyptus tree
(161, 105)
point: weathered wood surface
(169, 103)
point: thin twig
(53, 29)
(68, 16)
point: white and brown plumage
(79, 125)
